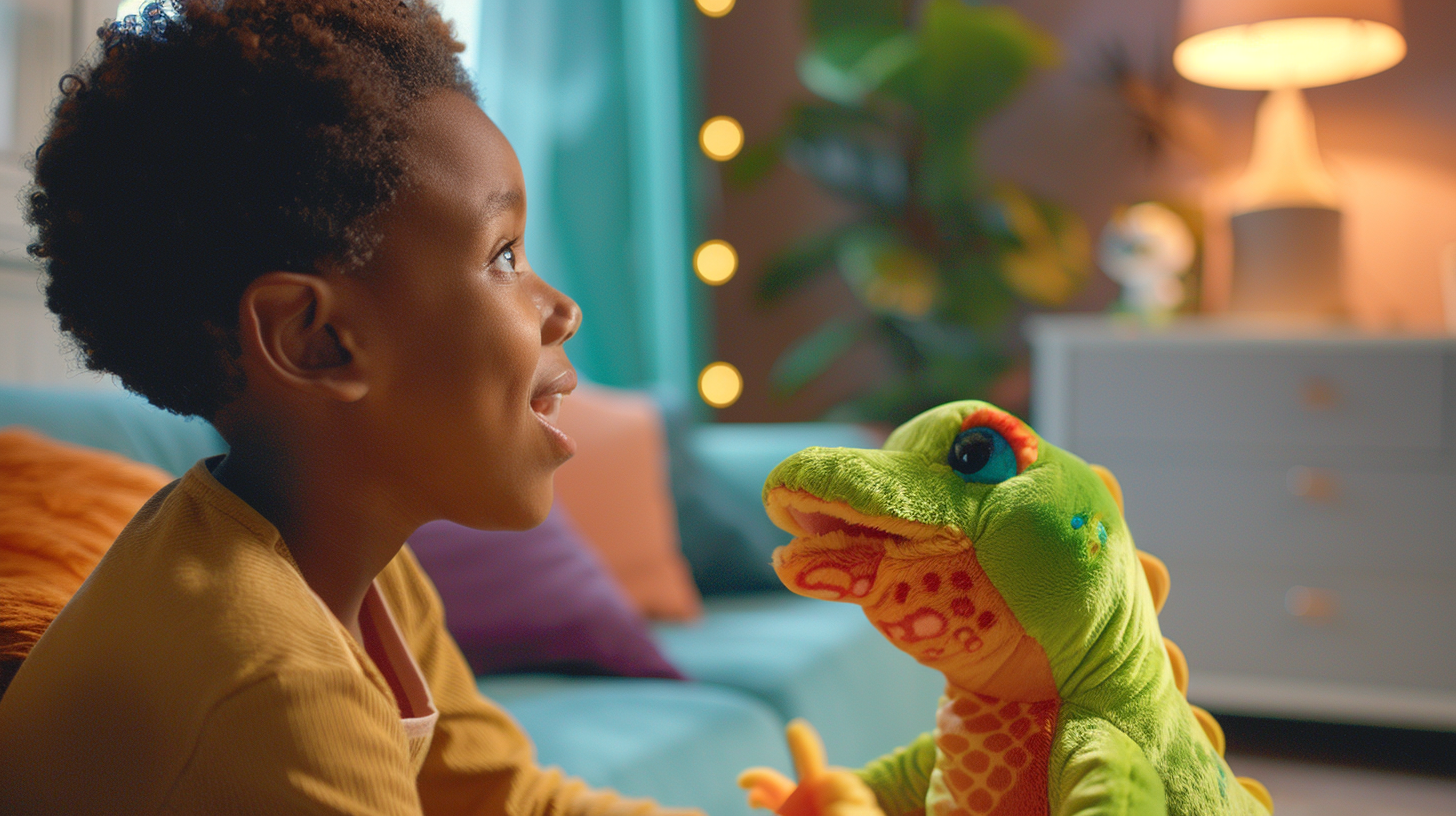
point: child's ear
(289, 326)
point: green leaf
(813, 354)
(888, 275)
(754, 164)
(974, 293)
(901, 348)
(974, 60)
(852, 62)
(938, 339)
(850, 152)
(826, 16)
(798, 264)
(950, 181)
(1050, 258)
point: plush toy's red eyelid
(1021, 438)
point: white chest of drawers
(1301, 487)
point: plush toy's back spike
(1158, 579)
(1180, 665)
(1258, 791)
(1210, 727)
(1156, 572)
(1113, 486)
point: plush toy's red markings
(919, 625)
(992, 758)
(937, 604)
(849, 573)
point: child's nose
(561, 317)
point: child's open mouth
(546, 405)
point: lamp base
(1287, 262)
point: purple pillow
(537, 600)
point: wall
(1390, 139)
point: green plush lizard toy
(1004, 563)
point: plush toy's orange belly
(991, 756)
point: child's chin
(525, 512)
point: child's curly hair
(211, 142)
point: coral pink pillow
(616, 490)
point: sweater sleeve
(317, 742)
(480, 762)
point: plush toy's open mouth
(837, 550)
(809, 518)
(814, 523)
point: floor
(1318, 769)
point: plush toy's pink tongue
(818, 524)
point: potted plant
(943, 258)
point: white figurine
(1147, 248)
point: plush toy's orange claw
(767, 788)
(821, 791)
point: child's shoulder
(197, 591)
(196, 602)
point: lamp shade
(1266, 44)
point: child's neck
(340, 529)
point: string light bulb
(715, 262)
(720, 385)
(721, 138)
(715, 8)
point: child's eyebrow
(501, 200)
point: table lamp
(1286, 217)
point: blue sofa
(757, 659)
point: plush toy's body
(1005, 564)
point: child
(291, 218)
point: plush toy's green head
(972, 544)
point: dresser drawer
(1259, 396)
(1313, 625)
(1389, 522)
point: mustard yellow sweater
(195, 672)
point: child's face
(468, 365)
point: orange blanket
(61, 506)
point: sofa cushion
(718, 472)
(820, 661)
(111, 419)
(682, 744)
(535, 600)
(61, 506)
(616, 488)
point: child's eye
(505, 261)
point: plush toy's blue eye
(982, 455)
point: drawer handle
(1311, 604)
(1314, 484)
(1319, 394)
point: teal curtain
(595, 97)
